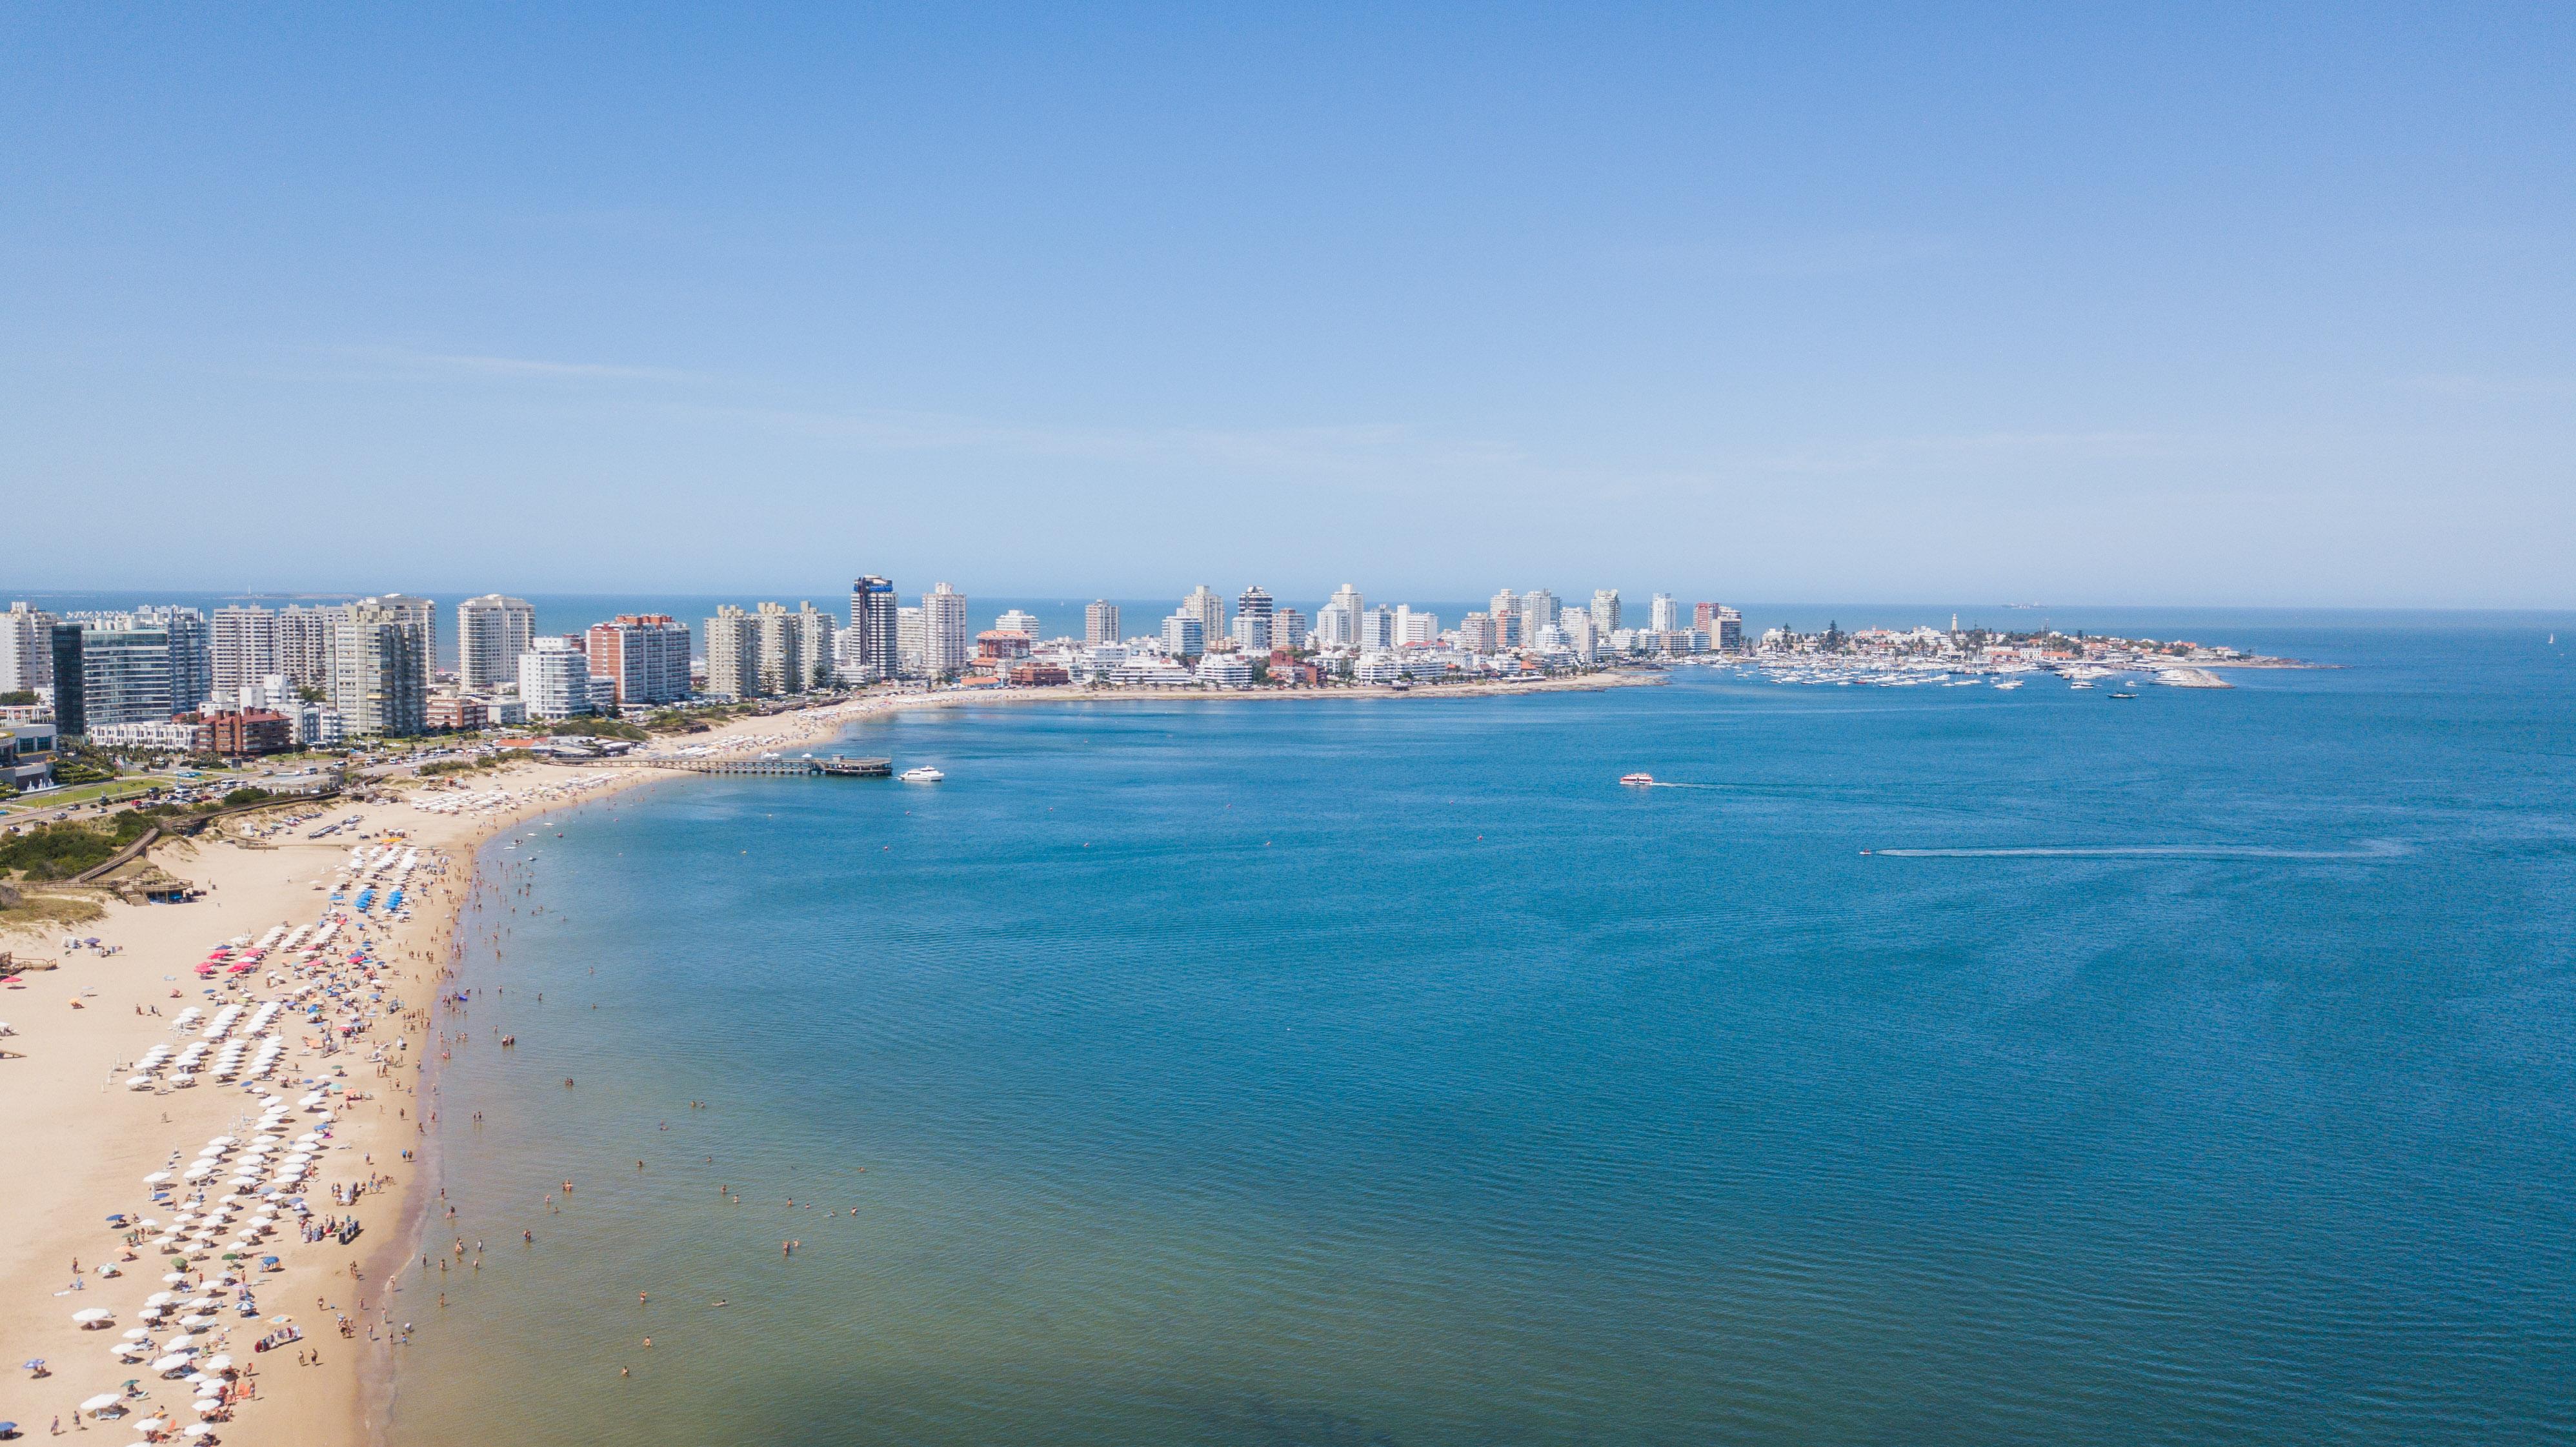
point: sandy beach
(84, 1141)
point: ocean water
(2194, 1068)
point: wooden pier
(834, 768)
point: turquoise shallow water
(1382, 1072)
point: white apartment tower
(491, 632)
(304, 644)
(1100, 622)
(380, 656)
(1667, 614)
(1337, 623)
(245, 648)
(1605, 611)
(1252, 612)
(944, 639)
(26, 649)
(908, 645)
(814, 631)
(1209, 609)
(1538, 610)
(554, 678)
(781, 645)
(733, 654)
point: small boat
(923, 775)
(2124, 695)
(1639, 779)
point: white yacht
(923, 775)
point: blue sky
(2185, 305)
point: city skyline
(2185, 309)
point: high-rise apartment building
(781, 646)
(1337, 623)
(1252, 610)
(814, 634)
(1580, 633)
(1184, 635)
(908, 644)
(1726, 631)
(187, 675)
(380, 662)
(245, 648)
(733, 654)
(646, 655)
(124, 672)
(1100, 622)
(304, 644)
(71, 712)
(1377, 628)
(26, 649)
(874, 611)
(1605, 611)
(554, 678)
(1538, 610)
(491, 632)
(1476, 634)
(192, 653)
(421, 614)
(1287, 629)
(1208, 608)
(944, 639)
(1506, 612)
(1016, 620)
(1667, 614)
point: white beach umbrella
(180, 1343)
(93, 1316)
(174, 1278)
(102, 1402)
(161, 1298)
(136, 1333)
(132, 1351)
(217, 1363)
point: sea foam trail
(2374, 849)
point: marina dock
(837, 768)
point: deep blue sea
(1384, 1072)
